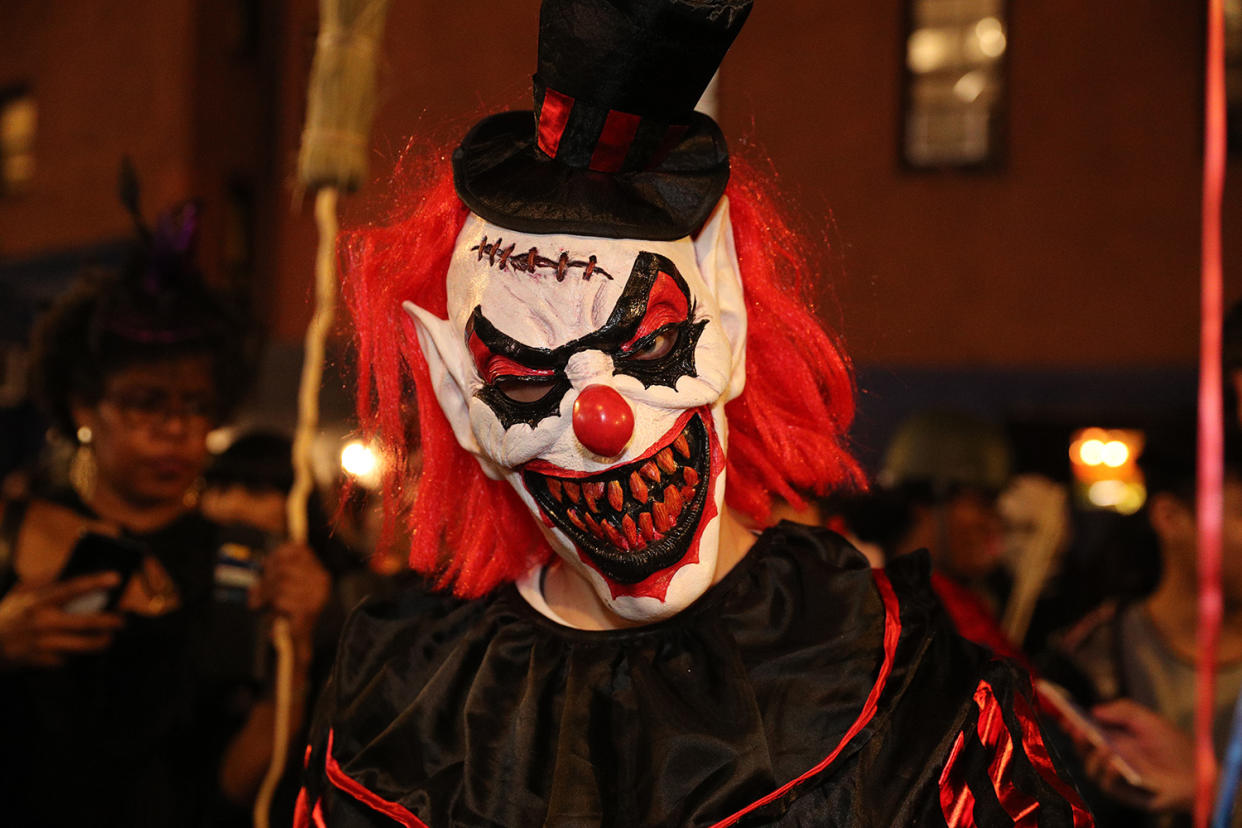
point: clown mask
(591, 374)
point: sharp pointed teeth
(638, 488)
(614, 537)
(630, 530)
(659, 515)
(593, 526)
(690, 476)
(650, 472)
(592, 492)
(665, 461)
(571, 489)
(616, 495)
(687, 493)
(672, 501)
(683, 448)
(575, 519)
(646, 526)
(554, 489)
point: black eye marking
(663, 369)
(510, 409)
(675, 362)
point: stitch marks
(531, 261)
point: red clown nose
(603, 420)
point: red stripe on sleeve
(614, 141)
(994, 735)
(1037, 752)
(301, 813)
(553, 116)
(957, 802)
(392, 810)
(892, 633)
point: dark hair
(258, 461)
(1169, 459)
(157, 307)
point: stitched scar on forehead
(504, 258)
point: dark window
(18, 121)
(954, 83)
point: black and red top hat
(614, 147)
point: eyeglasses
(150, 407)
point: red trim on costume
(666, 304)
(317, 815)
(957, 801)
(351, 786)
(553, 116)
(614, 141)
(301, 813)
(892, 633)
(1037, 753)
(994, 735)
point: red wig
(787, 430)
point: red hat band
(583, 135)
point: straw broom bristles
(341, 97)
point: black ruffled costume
(801, 690)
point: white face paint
(592, 374)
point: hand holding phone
(95, 554)
(37, 631)
(1132, 752)
(1084, 729)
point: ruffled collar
(489, 712)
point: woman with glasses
(119, 701)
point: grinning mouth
(632, 521)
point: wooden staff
(333, 157)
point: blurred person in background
(1135, 661)
(946, 469)
(938, 489)
(248, 484)
(114, 705)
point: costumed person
(118, 702)
(612, 359)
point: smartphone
(96, 553)
(1081, 724)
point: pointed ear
(446, 357)
(717, 258)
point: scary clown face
(591, 374)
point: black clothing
(800, 689)
(133, 735)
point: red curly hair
(787, 430)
